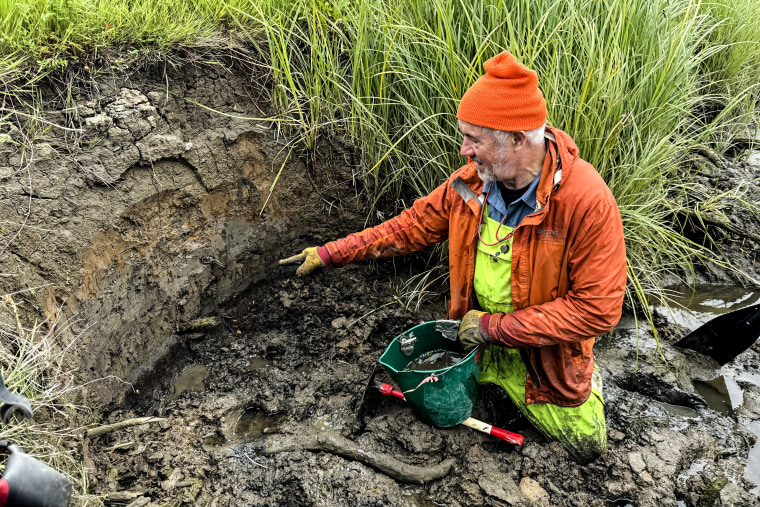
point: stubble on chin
(485, 174)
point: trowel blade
(726, 336)
(361, 408)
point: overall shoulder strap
(558, 168)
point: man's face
(491, 156)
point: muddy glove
(310, 259)
(469, 330)
(31, 483)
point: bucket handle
(435, 377)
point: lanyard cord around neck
(480, 222)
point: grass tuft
(30, 365)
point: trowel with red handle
(507, 436)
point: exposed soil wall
(147, 209)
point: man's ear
(518, 139)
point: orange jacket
(568, 266)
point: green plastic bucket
(447, 401)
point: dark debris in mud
(292, 357)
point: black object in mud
(12, 402)
(726, 336)
(32, 483)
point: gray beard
(486, 174)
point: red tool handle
(387, 390)
(507, 436)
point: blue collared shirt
(515, 211)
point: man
(537, 263)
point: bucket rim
(465, 358)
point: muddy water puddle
(712, 299)
(722, 394)
(257, 363)
(255, 425)
(691, 307)
(252, 425)
(677, 410)
(192, 379)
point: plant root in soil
(334, 443)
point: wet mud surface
(156, 202)
(292, 359)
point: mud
(668, 444)
(726, 195)
(435, 360)
(146, 211)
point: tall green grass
(49, 29)
(731, 75)
(639, 84)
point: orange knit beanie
(506, 97)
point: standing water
(722, 394)
(192, 379)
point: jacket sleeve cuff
(324, 255)
(485, 320)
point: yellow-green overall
(581, 430)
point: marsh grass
(731, 75)
(638, 84)
(49, 29)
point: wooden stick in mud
(108, 428)
(336, 444)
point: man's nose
(466, 149)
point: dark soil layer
(294, 357)
(152, 201)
